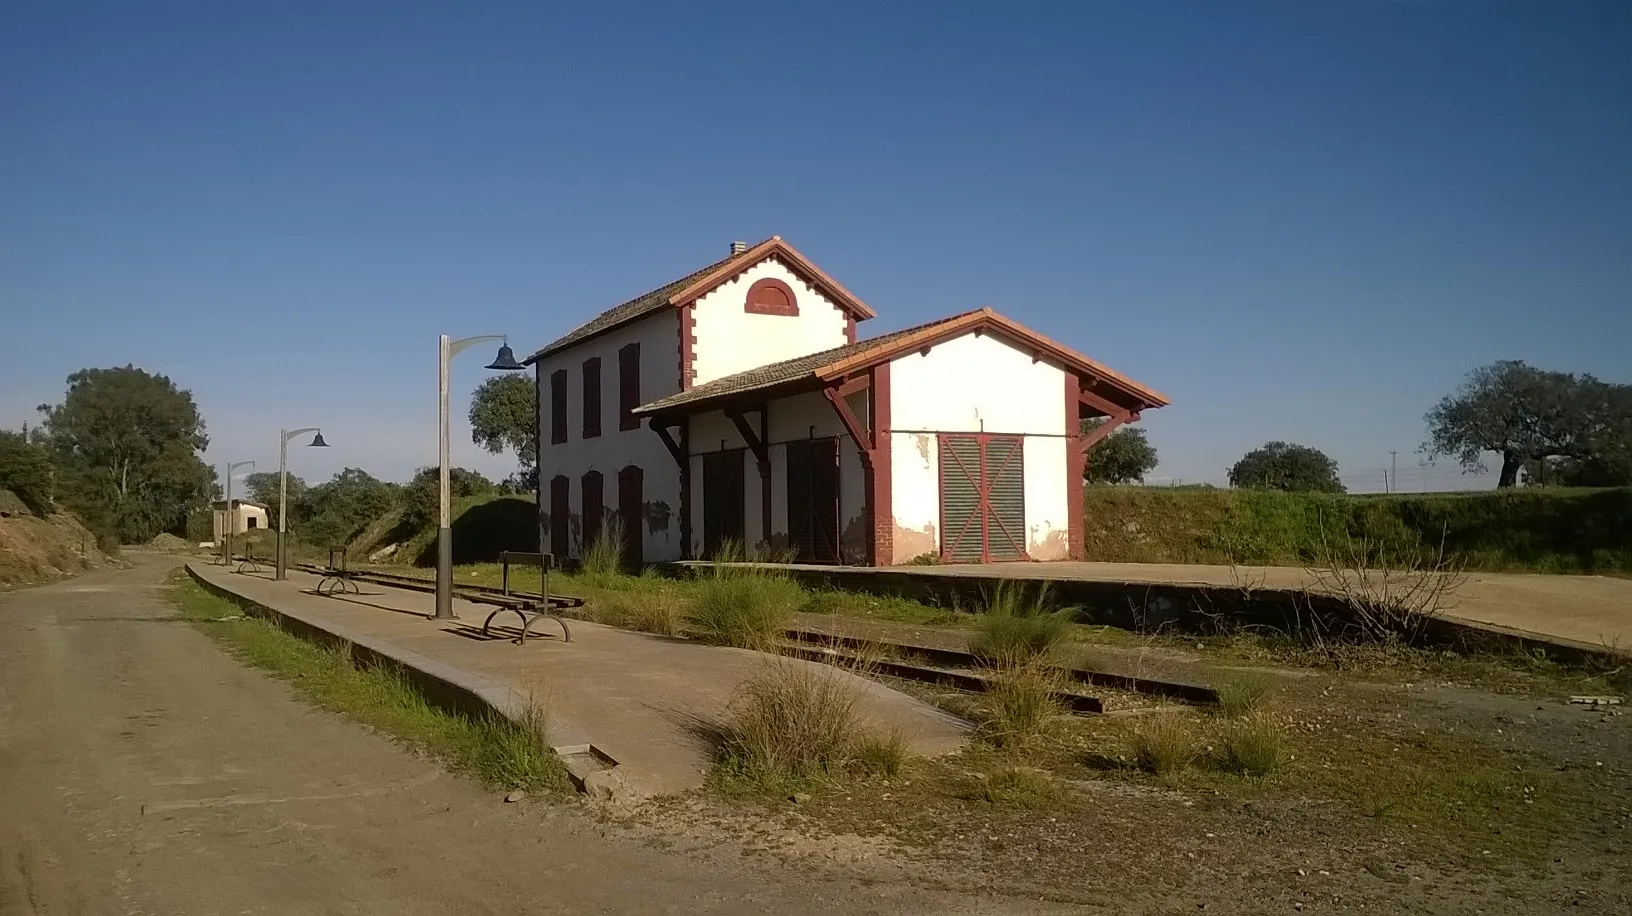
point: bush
(792, 720)
(744, 606)
(25, 470)
(1252, 748)
(1014, 630)
(1164, 744)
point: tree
(504, 416)
(419, 499)
(1530, 415)
(1286, 466)
(126, 446)
(337, 510)
(25, 469)
(262, 487)
(1124, 456)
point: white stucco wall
(658, 336)
(730, 340)
(976, 384)
(799, 417)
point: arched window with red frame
(771, 297)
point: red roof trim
(774, 247)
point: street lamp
(231, 517)
(446, 351)
(283, 486)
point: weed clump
(1164, 745)
(1014, 787)
(1242, 696)
(744, 606)
(657, 611)
(1021, 702)
(602, 563)
(797, 721)
(1014, 630)
(1252, 748)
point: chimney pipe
(738, 247)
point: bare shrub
(1164, 744)
(1390, 594)
(1014, 627)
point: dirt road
(144, 771)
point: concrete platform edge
(444, 685)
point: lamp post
(446, 351)
(283, 486)
(231, 517)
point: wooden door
(725, 516)
(813, 500)
(983, 505)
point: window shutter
(592, 397)
(628, 386)
(558, 406)
(594, 502)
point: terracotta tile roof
(638, 307)
(698, 283)
(838, 361)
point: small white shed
(247, 515)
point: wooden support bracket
(674, 448)
(755, 443)
(864, 441)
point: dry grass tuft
(1242, 696)
(798, 721)
(1014, 787)
(744, 606)
(1254, 747)
(1164, 744)
(1014, 628)
(653, 611)
(1021, 703)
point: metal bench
(249, 563)
(527, 608)
(336, 577)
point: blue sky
(1301, 221)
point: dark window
(560, 514)
(628, 386)
(558, 406)
(771, 297)
(594, 508)
(632, 513)
(592, 397)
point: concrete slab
(646, 701)
(1588, 611)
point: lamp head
(506, 360)
(317, 441)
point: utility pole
(1393, 470)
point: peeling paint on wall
(853, 540)
(921, 442)
(1053, 545)
(658, 514)
(914, 542)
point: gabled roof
(839, 362)
(695, 285)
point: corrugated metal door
(813, 500)
(983, 498)
(725, 515)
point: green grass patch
(744, 606)
(1164, 744)
(1014, 787)
(1015, 629)
(496, 751)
